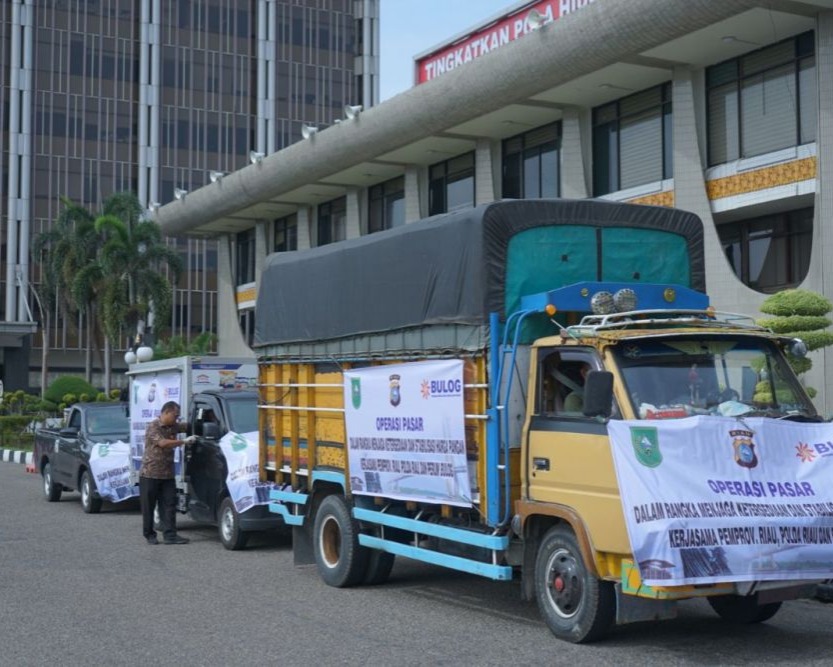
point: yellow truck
(447, 391)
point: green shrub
(68, 384)
(796, 302)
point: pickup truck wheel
(340, 559)
(228, 525)
(51, 491)
(743, 609)
(576, 605)
(89, 503)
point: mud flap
(302, 545)
(632, 609)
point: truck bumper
(259, 518)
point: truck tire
(51, 491)
(228, 526)
(89, 503)
(743, 609)
(340, 559)
(379, 566)
(577, 606)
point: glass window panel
(532, 175)
(549, 173)
(512, 176)
(395, 211)
(724, 145)
(461, 193)
(768, 111)
(460, 164)
(807, 91)
(722, 73)
(640, 102)
(768, 58)
(605, 159)
(640, 143)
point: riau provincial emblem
(395, 396)
(745, 455)
(356, 392)
(646, 445)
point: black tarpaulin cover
(452, 268)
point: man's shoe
(177, 540)
(152, 539)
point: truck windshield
(242, 415)
(730, 376)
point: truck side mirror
(598, 394)
(68, 432)
(210, 431)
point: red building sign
(491, 37)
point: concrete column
(413, 210)
(352, 223)
(230, 341)
(261, 247)
(819, 277)
(484, 177)
(573, 175)
(304, 235)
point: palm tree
(65, 249)
(130, 262)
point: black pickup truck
(213, 413)
(62, 456)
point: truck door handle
(540, 463)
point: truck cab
(645, 366)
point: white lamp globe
(144, 353)
(130, 357)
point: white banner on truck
(714, 499)
(242, 452)
(406, 432)
(148, 393)
(110, 467)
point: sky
(409, 27)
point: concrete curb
(15, 456)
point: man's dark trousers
(162, 491)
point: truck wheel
(743, 609)
(340, 559)
(89, 503)
(228, 525)
(379, 565)
(51, 491)
(576, 606)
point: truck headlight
(601, 303)
(625, 300)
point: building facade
(157, 98)
(724, 109)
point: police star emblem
(395, 395)
(356, 392)
(745, 455)
(645, 441)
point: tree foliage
(68, 385)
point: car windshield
(242, 415)
(730, 376)
(108, 421)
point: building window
(286, 234)
(531, 164)
(632, 141)
(772, 252)
(387, 205)
(245, 257)
(332, 221)
(246, 318)
(451, 185)
(764, 101)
